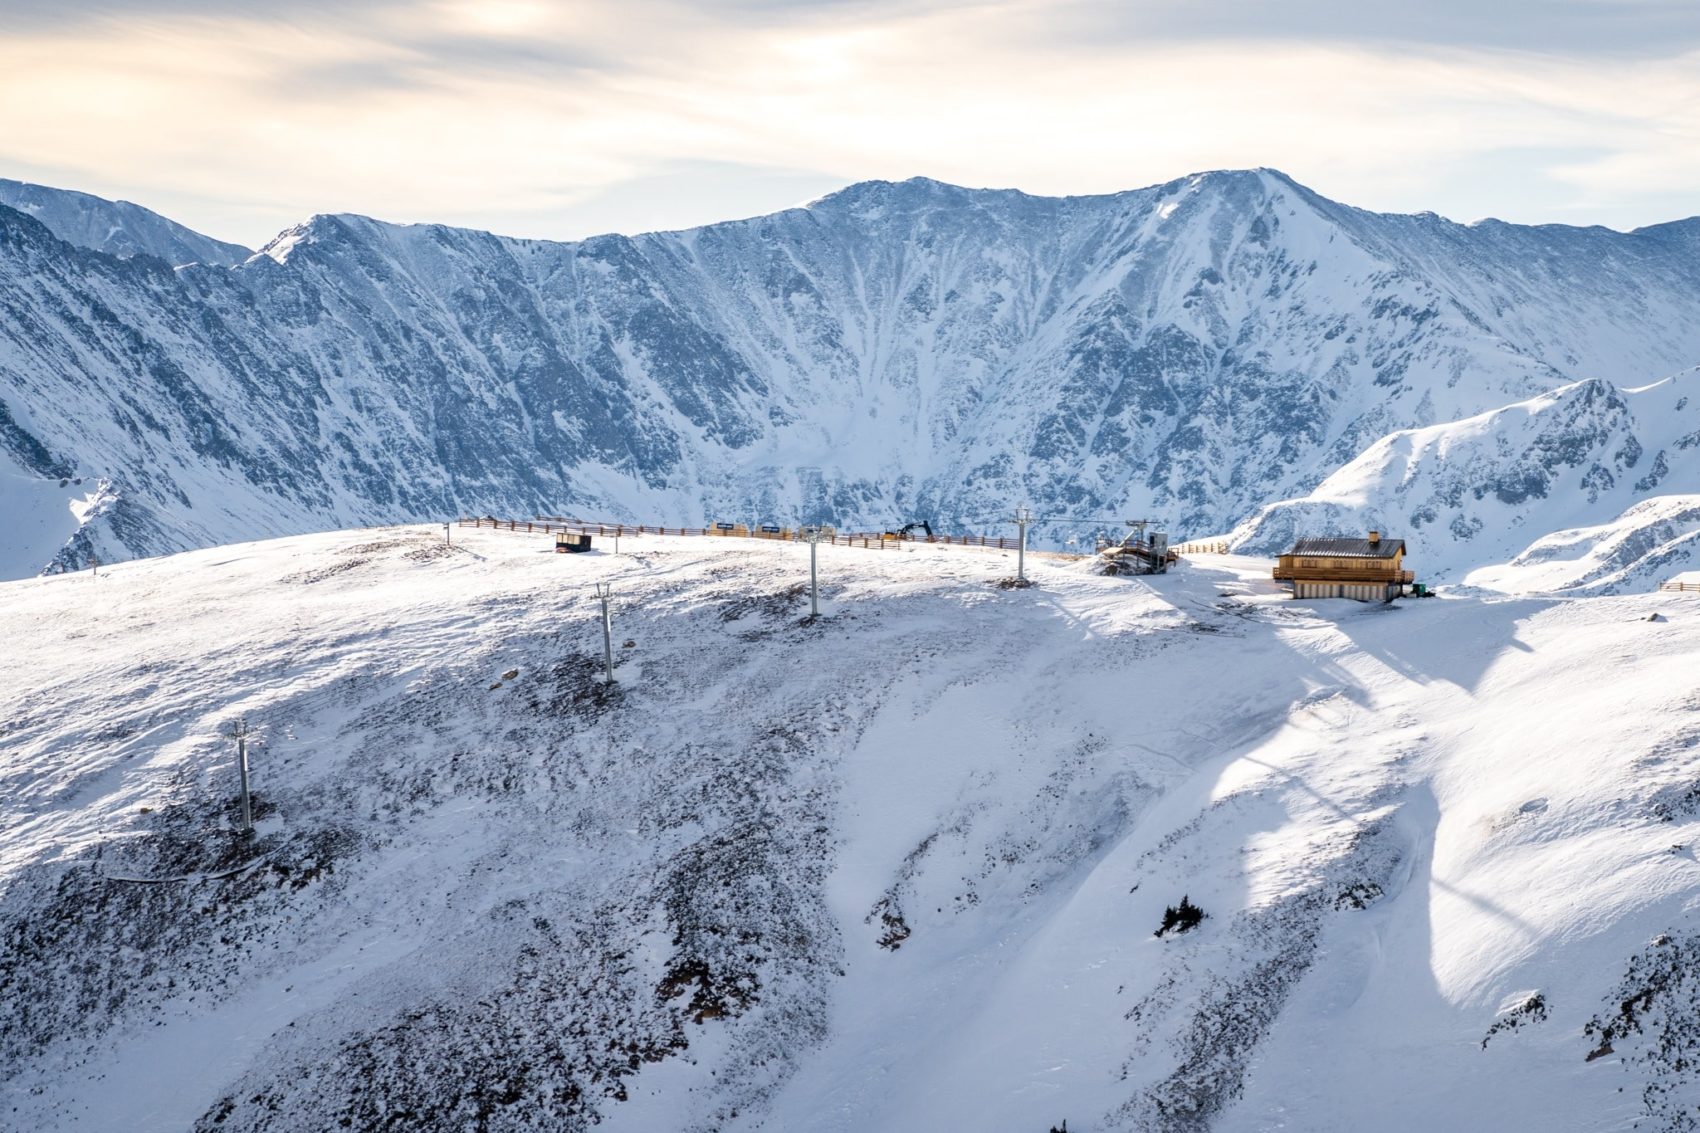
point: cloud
(539, 118)
(1585, 28)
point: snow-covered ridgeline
(116, 227)
(1193, 350)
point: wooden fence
(872, 540)
(1690, 586)
(1216, 547)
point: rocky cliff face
(1193, 350)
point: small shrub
(1180, 918)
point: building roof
(1347, 548)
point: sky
(565, 119)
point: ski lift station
(1144, 551)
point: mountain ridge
(120, 228)
(896, 348)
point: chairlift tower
(1023, 517)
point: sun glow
(506, 113)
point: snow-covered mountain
(118, 227)
(1570, 489)
(1653, 541)
(891, 351)
(898, 868)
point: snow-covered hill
(1651, 542)
(899, 868)
(1567, 490)
(891, 351)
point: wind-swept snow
(899, 868)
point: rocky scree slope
(1196, 349)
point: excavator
(907, 531)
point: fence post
(240, 732)
(814, 577)
(604, 592)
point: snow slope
(1649, 543)
(895, 869)
(39, 517)
(1563, 491)
(891, 351)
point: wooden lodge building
(1370, 570)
